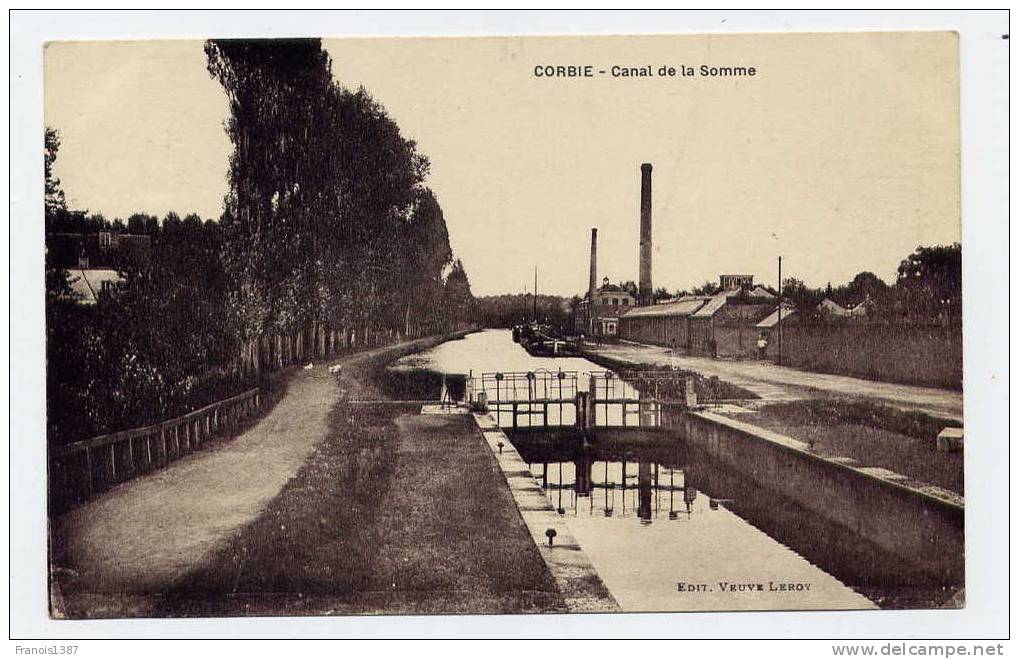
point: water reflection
(642, 489)
(653, 512)
(653, 516)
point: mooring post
(690, 391)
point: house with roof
(784, 315)
(94, 261)
(726, 325)
(611, 301)
(831, 309)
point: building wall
(900, 352)
(669, 331)
(613, 302)
(730, 332)
(701, 335)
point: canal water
(494, 352)
(668, 528)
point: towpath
(137, 539)
(778, 383)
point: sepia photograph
(537, 324)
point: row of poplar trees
(333, 237)
(329, 240)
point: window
(615, 302)
(626, 301)
(104, 239)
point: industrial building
(726, 324)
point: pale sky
(841, 154)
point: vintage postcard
(504, 325)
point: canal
(670, 528)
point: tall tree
(276, 91)
(930, 281)
(54, 200)
(58, 283)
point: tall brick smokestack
(644, 290)
(592, 284)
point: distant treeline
(513, 309)
(329, 239)
(927, 290)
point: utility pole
(534, 312)
(779, 311)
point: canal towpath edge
(575, 575)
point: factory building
(720, 325)
(726, 324)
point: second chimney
(644, 290)
(592, 284)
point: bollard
(550, 533)
(690, 391)
(500, 447)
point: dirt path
(777, 383)
(115, 554)
(142, 535)
(396, 512)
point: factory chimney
(644, 290)
(592, 284)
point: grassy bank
(395, 512)
(873, 435)
(708, 389)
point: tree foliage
(328, 232)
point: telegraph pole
(534, 312)
(779, 310)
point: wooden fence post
(88, 468)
